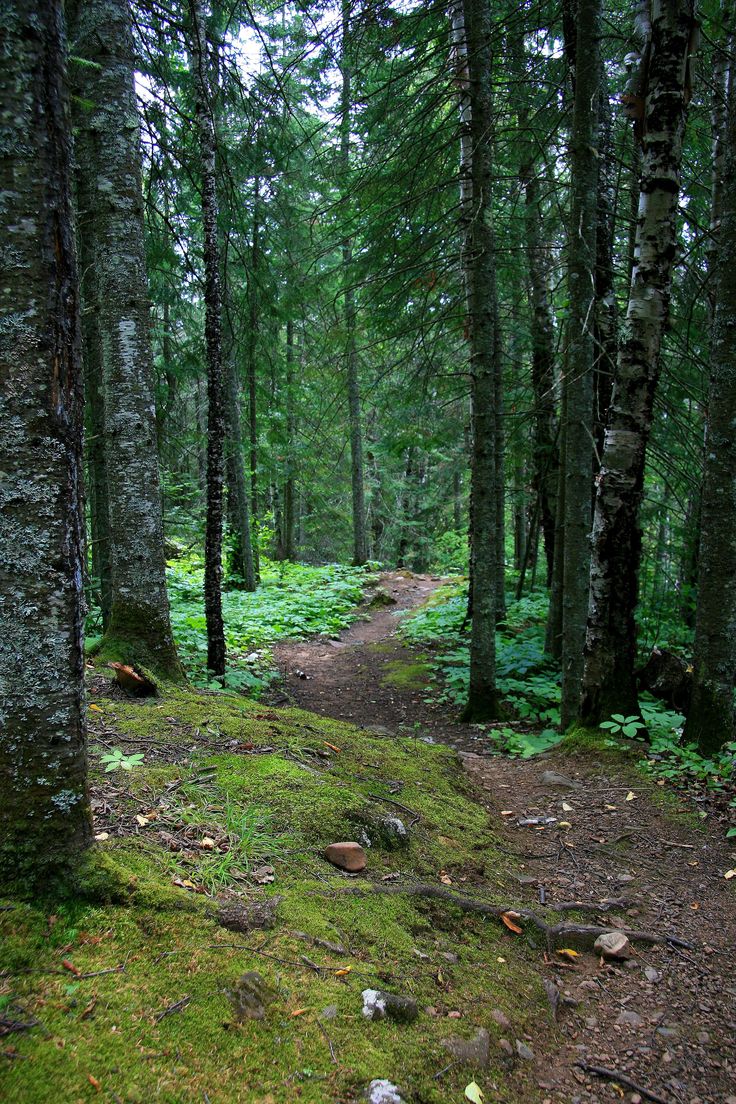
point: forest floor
(660, 1025)
(212, 955)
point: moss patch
(407, 674)
(270, 786)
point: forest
(367, 551)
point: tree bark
(45, 821)
(242, 565)
(139, 628)
(290, 481)
(480, 279)
(610, 653)
(251, 371)
(710, 721)
(350, 355)
(578, 383)
(213, 340)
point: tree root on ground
(557, 935)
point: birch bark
(610, 651)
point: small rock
(635, 1098)
(378, 1005)
(613, 945)
(589, 986)
(252, 996)
(449, 956)
(591, 1022)
(475, 1051)
(652, 975)
(501, 1018)
(629, 1019)
(704, 1037)
(348, 856)
(524, 1051)
(381, 829)
(623, 878)
(559, 781)
(383, 1092)
(506, 1047)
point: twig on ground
(177, 1006)
(321, 1026)
(615, 1075)
(389, 801)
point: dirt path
(665, 1020)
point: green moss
(127, 913)
(407, 674)
(597, 744)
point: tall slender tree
(578, 382)
(480, 275)
(45, 821)
(207, 142)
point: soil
(663, 1023)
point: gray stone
(383, 1092)
(476, 1051)
(500, 1018)
(524, 1051)
(381, 829)
(379, 1005)
(651, 974)
(559, 781)
(629, 1019)
(329, 1012)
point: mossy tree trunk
(610, 653)
(480, 280)
(711, 720)
(44, 809)
(111, 222)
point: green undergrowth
(292, 601)
(269, 789)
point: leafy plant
(619, 725)
(117, 759)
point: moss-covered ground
(128, 985)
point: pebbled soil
(665, 1020)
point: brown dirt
(666, 1019)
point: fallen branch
(555, 934)
(614, 1075)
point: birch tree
(660, 106)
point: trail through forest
(580, 831)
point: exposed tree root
(581, 935)
(623, 1079)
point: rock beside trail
(378, 1005)
(383, 1092)
(476, 1051)
(558, 781)
(381, 829)
(613, 945)
(347, 855)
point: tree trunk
(213, 340)
(139, 629)
(480, 277)
(350, 356)
(289, 482)
(710, 721)
(251, 373)
(242, 565)
(579, 375)
(608, 684)
(45, 821)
